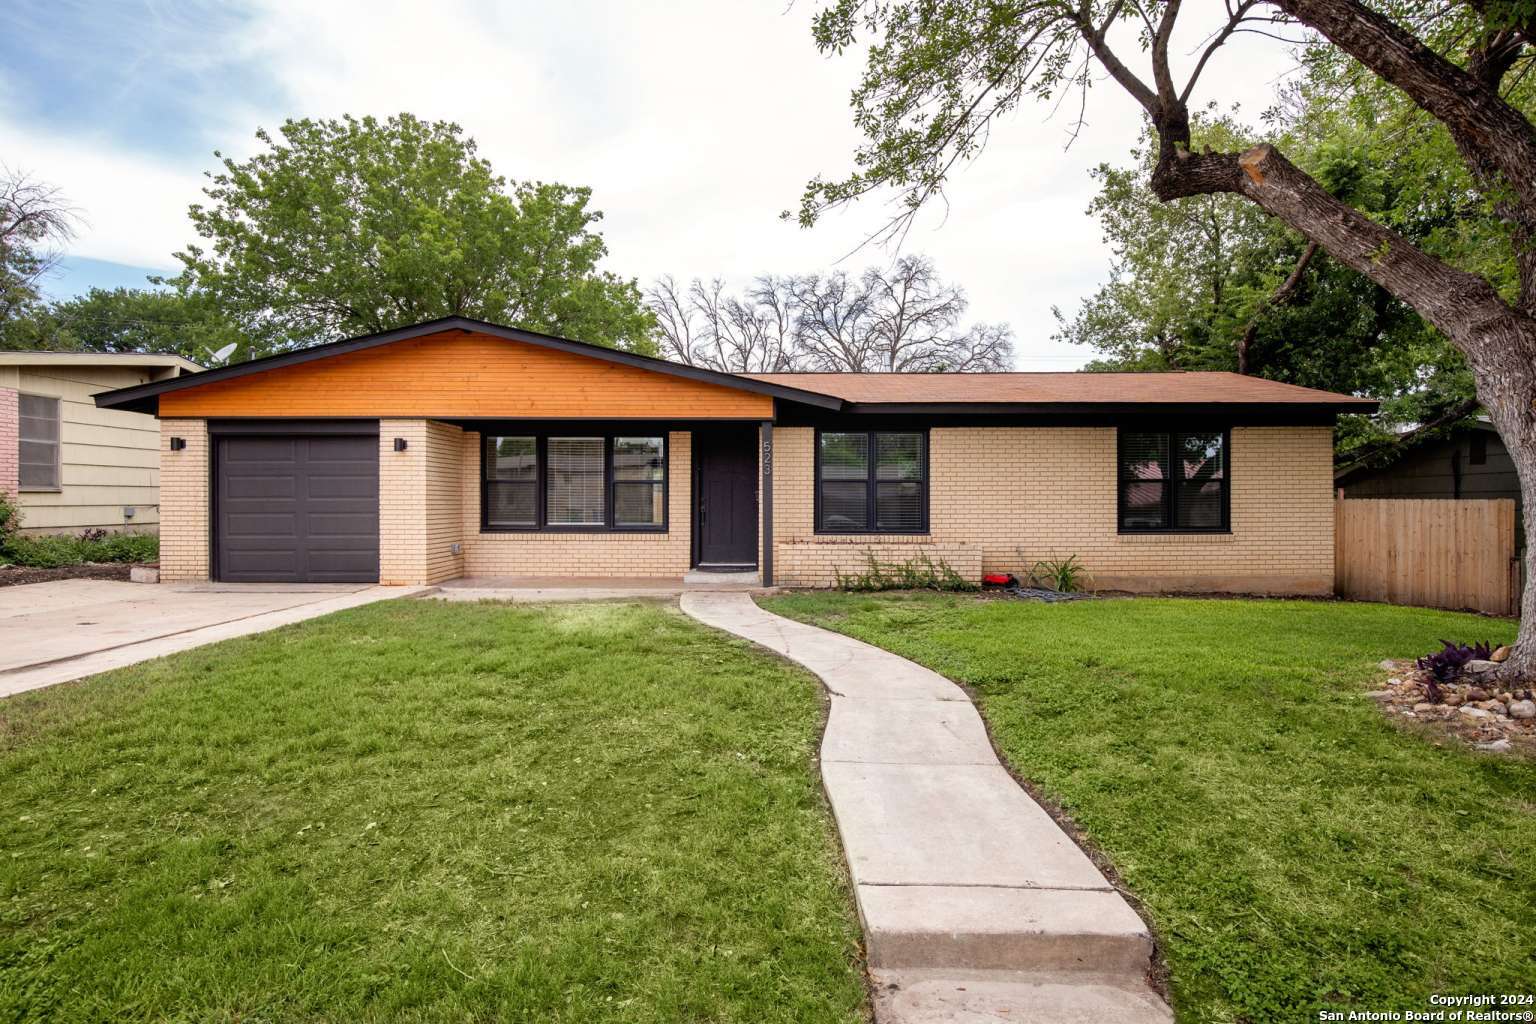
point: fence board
(1426, 551)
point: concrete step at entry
(988, 928)
(987, 997)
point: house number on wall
(767, 456)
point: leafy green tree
(133, 320)
(358, 226)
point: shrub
(10, 519)
(1066, 575)
(55, 551)
(1446, 664)
(920, 573)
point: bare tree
(33, 218)
(940, 74)
(900, 320)
(702, 325)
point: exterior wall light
(178, 443)
(399, 444)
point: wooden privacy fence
(1440, 553)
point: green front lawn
(425, 811)
(1293, 850)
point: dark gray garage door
(291, 509)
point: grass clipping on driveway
(1294, 850)
(427, 811)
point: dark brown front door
(295, 509)
(725, 502)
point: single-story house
(464, 448)
(68, 464)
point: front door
(725, 498)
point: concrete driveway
(54, 632)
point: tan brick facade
(1000, 498)
(420, 519)
(1003, 497)
(184, 502)
(583, 554)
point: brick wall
(184, 501)
(420, 519)
(10, 429)
(1002, 497)
(581, 554)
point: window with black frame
(537, 482)
(872, 482)
(1173, 481)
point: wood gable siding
(464, 374)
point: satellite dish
(224, 353)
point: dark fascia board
(1110, 408)
(1071, 414)
(140, 397)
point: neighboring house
(70, 465)
(1469, 462)
(462, 448)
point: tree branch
(1281, 296)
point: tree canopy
(354, 226)
(133, 320)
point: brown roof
(1077, 388)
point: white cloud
(695, 122)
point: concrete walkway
(55, 632)
(976, 905)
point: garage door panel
(276, 527)
(262, 486)
(352, 488)
(297, 509)
(275, 450)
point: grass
(417, 811)
(1294, 851)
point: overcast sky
(695, 122)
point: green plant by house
(919, 573)
(55, 551)
(10, 520)
(1066, 575)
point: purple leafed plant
(1446, 664)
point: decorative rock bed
(1475, 706)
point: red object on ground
(999, 579)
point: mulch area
(17, 575)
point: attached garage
(296, 507)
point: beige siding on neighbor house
(184, 527)
(108, 458)
(1003, 497)
(581, 554)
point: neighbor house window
(1173, 481)
(541, 482)
(872, 482)
(38, 443)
